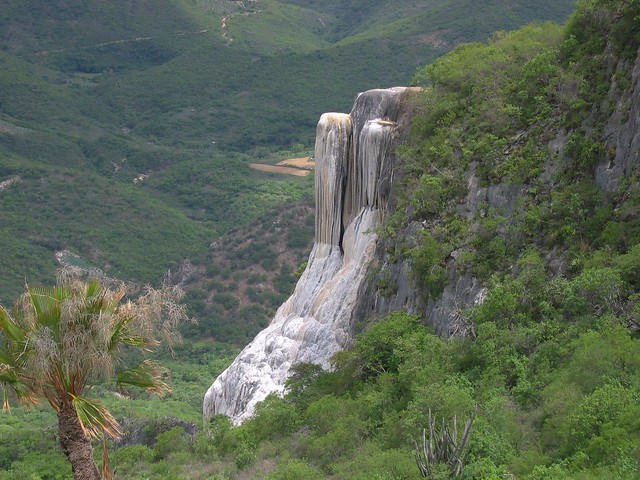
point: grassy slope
(480, 19)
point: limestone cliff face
(354, 172)
(354, 167)
(463, 290)
(622, 134)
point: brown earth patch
(276, 169)
(249, 273)
(300, 162)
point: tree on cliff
(57, 342)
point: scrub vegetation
(549, 371)
(131, 125)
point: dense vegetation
(549, 370)
(93, 95)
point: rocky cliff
(613, 125)
(354, 156)
(622, 132)
(349, 265)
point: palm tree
(55, 343)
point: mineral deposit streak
(353, 156)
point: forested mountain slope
(96, 94)
(520, 186)
(516, 223)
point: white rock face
(353, 174)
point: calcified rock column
(353, 172)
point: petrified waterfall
(353, 156)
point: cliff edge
(354, 155)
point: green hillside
(547, 373)
(548, 370)
(376, 17)
(185, 94)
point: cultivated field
(301, 162)
(299, 167)
(277, 169)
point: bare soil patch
(300, 162)
(276, 169)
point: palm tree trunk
(76, 444)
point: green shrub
(603, 424)
(129, 456)
(245, 456)
(426, 262)
(171, 441)
(375, 350)
(274, 417)
(295, 470)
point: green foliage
(629, 266)
(584, 151)
(454, 396)
(374, 462)
(595, 21)
(596, 416)
(170, 442)
(430, 196)
(294, 470)
(245, 456)
(426, 262)
(274, 418)
(37, 467)
(550, 369)
(300, 270)
(128, 457)
(375, 352)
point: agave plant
(55, 343)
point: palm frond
(21, 393)
(107, 474)
(122, 334)
(6, 358)
(9, 326)
(46, 304)
(37, 297)
(139, 341)
(97, 299)
(5, 399)
(113, 300)
(147, 375)
(8, 374)
(93, 288)
(12, 382)
(95, 418)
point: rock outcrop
(354, 156)
(622, 133)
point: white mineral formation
(353, 156)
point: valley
(172, 142)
